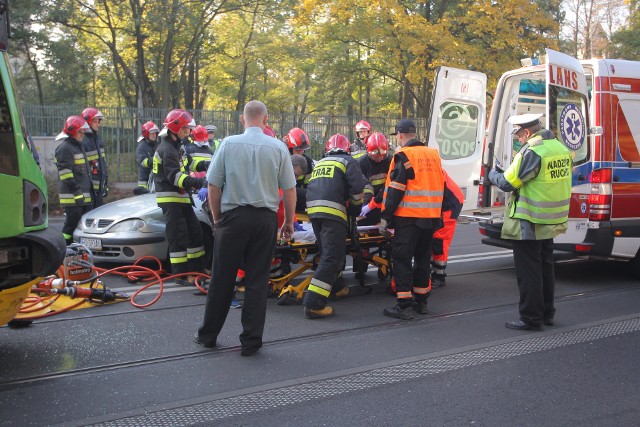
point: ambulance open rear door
(456, 127)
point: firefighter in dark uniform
(199, 151)
(298, 143)
(147, 143)
(412, 204)
(375, 168)
(334, 192)
(359, 146)
(76, 192)
(173, 186)
(94, 147)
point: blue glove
(202, 193)
(297, 226)
(365, 210)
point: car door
(456, 126)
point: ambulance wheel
(383, 273)
(283, 299)
(634, 264)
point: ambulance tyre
(634, 265)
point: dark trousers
(412, 243)
(72, 215)
(372, 218)
(301, 199)
(331, 237)
(535, 273)
(243, 234)
(184, 235)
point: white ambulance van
(593, 106)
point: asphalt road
(458, 365)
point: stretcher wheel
(383, 273)
(283, 299)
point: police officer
(298, 143)
(173, 185)
(94, 147)
(359, 146)
(75, 176)
(412, 204)
(375, 167)
(539, 178)
(147, 143)
(334, 192)
(211, 136)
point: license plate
(91, 243)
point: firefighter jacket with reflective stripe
(335, 188)
(171, 181)
(453, 197)
(199, 157)
(539, 178)
(303, 180)
(415, 185)
(358, 149)
(94, 147)
(144, 157)
(75, 177)
(376, 175)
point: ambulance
(592, 106)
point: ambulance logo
(572, 126)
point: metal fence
(121, 127)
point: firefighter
(359, 146)
(451, 207)
(334, 192)
(147, 143)
(298, 143)
(199, 151)
(94, 147)
(539, 179)
(375, 167)
(173, 185)
(412, 204)
(76, 192)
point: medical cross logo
(572, 126)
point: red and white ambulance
(593, 106)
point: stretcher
(364, 244)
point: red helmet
(149, 127)
(298, 139)
(200, 134)
(73, 124)
(377, 146)
(90, 113)
(177, 119)
(338, 142)
(268, 130)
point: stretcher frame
(305, 255)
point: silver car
(128, 229)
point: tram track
(379, 326)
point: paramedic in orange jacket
(451, 207)
(412, 205)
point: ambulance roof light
(528, 62)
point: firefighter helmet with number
(73, 124)
(377, 147)
(91, 113)
(338, 143)
(200, 134)
(298, 139)
(363, 126)
(148, 128)
(177, 119)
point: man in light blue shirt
(244, 177)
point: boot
(342, 293)
(399, 313)
(420, 307)
(310, 313)
(438, 280)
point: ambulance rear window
(456, 130)
(568, 120)
(627, 126)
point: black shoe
(246, 352)
(521, 326)
(438, 280)
(399, 313)
(547, 321)
(420, 307)
(199, 341)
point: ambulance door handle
(581, 177)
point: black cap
(405, 126)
